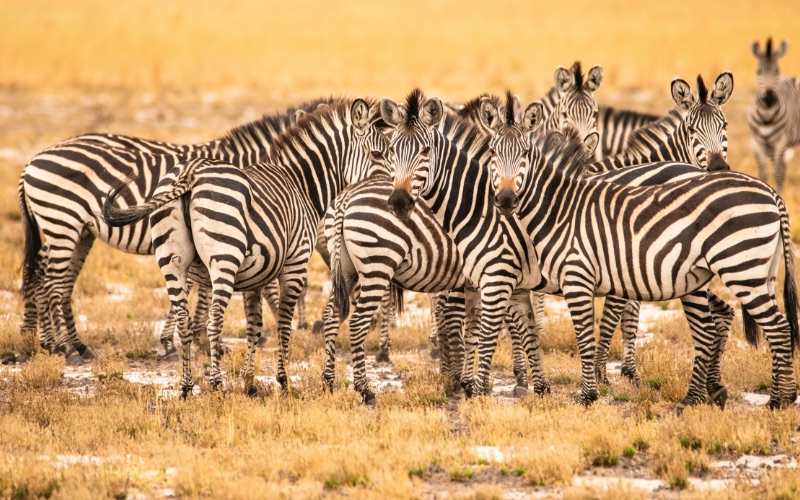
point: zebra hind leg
(388, 316)
(698, 314)
(252, 304)
(451, 323)
(580, 301)
(722, 314)
(330, 329)
(291, 284)
(630, 327)
(369, 300)
(531, 308)
(612, 311)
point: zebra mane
(268, 126)
(309, 124)
(702, 90)
(666, 125)
(509, 109)
(563, 151)
(576, 71)
(768, 49)
(414, 102)
(471, 107)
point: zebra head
(371, 147)
(509, 147)
(410, 147)
(704, 125)
(577, 107)
(768, 71)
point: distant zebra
(61, 192)
(240, 229)
(774, 117)
(656, 243)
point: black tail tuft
(397, 298)
(116, 217)
(33, 241)
(750, 328)
(341, 293)
(790, 301)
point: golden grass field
(188, 71)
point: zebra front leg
(452, 321)
(526, 304)
(471, 331)
(698, 313)
(722, 314)
(630, 327)
(612, 311)
(368, 302)
(779, 162)
(761, 160)
(494, 304)
(302, 322)
(253, 310)
(578, 292)
(438, 302)
(387, 313)
(514, 324)
(76, 264)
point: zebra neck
(550, 101)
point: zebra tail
(397, 298)
(790, 302)
(341, 292)
(750, 328)
(179, 185)
(33, 240)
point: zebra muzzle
(401, 203)
(506, 202)
(717, 163)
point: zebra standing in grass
(240, 229)
(774, 117)
(655, 243)
(442, 160)
(61, 191)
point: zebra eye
(425, 151)
(376, 154)
(492, 152)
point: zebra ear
(359, 114)
(590, 143)
(594, 79)
(299, 114)
(432, 112)
(682, 94)
(563, 79)
(390, 112)
(756, 49)
(723, 88)
(533, 116)
(782, 49)
(488, 115)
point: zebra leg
(494, 304)
(223, 275)
(369, 300)
(698, 313)
(270, 294)
(330, 329)
(253, 310)
(47, 335)
(612, 310)
(515, 326)
(302, 322)
(167, 335)
(722, 314)
(31, 312)
(387, 312)
(472, 325)
(453, 319)
(630, 327)
(291, 284)
(779, 161)
(78, 260)
(438, 303)
(761, 160)
(57, 279)
(527, 305)
(199, 322)
(579, 295)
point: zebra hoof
(435, 354)
(262, 341)
(586, 398)
(383, 357)
(369, 398)
(75, 359)
(171, 356)
(316, 329)
(252, 392)
(87, 353)
(720, 397)
(629, 372)
(185, 391)
(540, 389)
(520, 391)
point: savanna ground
(189, 71)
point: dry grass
(187, 72)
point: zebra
(239, 229)
(679, 235)
(442, 160)
(615, 126)
(60, 192)
(774, 116)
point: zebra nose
(506, 202)
(770, 98)
(717, 163)
(401, 203)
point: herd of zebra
(485, 206)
